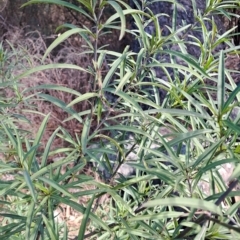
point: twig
(207, 217)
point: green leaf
(115, 143)
(84, 222)
(10, 135)
(65, 232)
(54, 87)
(62, 105)
(10, 187)
(160, 173)
(207, 154)
(49, 66)
(157, 216)
(181, 137)
(85, 134)
(30, 185)
(124, 80)
(86, 36)
(126, 97)
(61, 38)
(99, 110)
(13, 216)
(178, 112)
(57, 186)
(29, 219)
(232, 126)
(236, 173)
(37, 140)
(188, 59)
(60, 162)
(81, 209)
(12, 229)
(128, 129)
(114, 67)
(51, 205)
(61, 3)
(221, 84)
(82, 98)
(119, 11)
(49, 228)
(47, 148)
(230, 99)
(186, 202)
(213, 165)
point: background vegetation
(86, 132)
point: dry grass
(30, 48)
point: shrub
(175, 148)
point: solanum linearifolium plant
(175, 146)
(37, 185)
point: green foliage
(181, 142)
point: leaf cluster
(175, 148)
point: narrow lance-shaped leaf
(62, 105)
(186, 202)
(54, 87)
(82, 229)
(221, 84)
(81, 209)
(119, 11)
(114, 67)
(230, 99)
(124, 80)
(85, 96)
(126, 97)
(162, 215)
(61, 38)
(85, 134)
(85, 35)
(191, 61)
(61, 3)
(38, 139)
(29, 219)
(47, 67)
(47, 148)
(49, 228)
(128, 129)
(114, 142)
(10, 135)
(207, 154)
(56, 186)
(44, 170)
(30, 185)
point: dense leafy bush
(175, 149)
